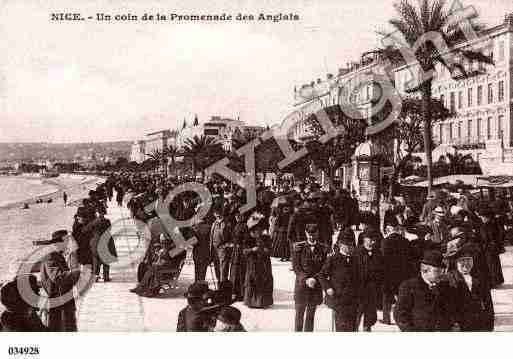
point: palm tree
(413, 23)
(201, 151)
(156, 156)
(171, 152)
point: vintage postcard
(255, 166)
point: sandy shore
(20, 227)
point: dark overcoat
(397, 261)
(420, 308)
(307, 263)
(340, 273)
(473, 308)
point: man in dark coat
(398, 265)
(201, 251)
(105, 249)
(424, 302)
(58, 279)
(308, 259)
(339, 279)
(369, 264)
(473, 300)
(221, 243)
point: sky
(102, 81)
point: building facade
(481, 101)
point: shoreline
(56, 192)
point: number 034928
(19, 350)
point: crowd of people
(430, 271)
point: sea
(17, 189)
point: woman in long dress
(238, 264)
(258, 283)
(281, 216)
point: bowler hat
(433, 258)
(197, 290)
(229, 315)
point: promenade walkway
(111, 307)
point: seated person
(159, 260)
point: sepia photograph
(255, 166)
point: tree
(157, 157)
(337, 151)
(400, 141)
(170, 152)
(431, 16)
(202, 152)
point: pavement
(111, 307)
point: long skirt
(258, 284)
(281, 247)
(495, 269)
(238, 272)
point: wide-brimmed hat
(229, 315)
(255, 221)
(58, 236)
(433, 258)
(197, 290)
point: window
(453, 102)
(460, 99)
(501, 51)
(490, 93)
(469, 129)
(450, 132)
(469, 96)
(442, 99)
(479, 95)
(440, 133)
(479, 124)
(459, 129)
(500, 122)
(489, 128)
(501, 91)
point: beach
(20, 227)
